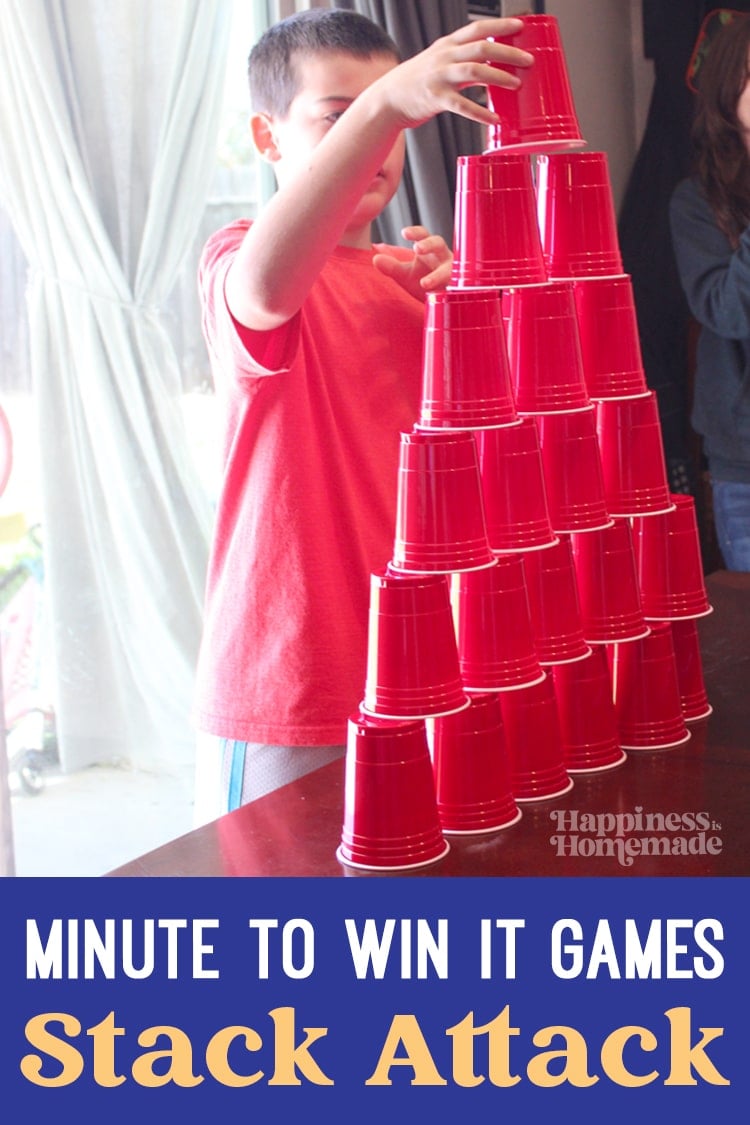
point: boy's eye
(333, 117)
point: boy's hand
(425, 268)
(431, 82)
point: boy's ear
(264, 139)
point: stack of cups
(602, 467)
(547, 373)
(608, 587)
(465, 373)
(391, 815)
(608, 332)
(576, 216)
(440, 521)
(472, 769)
(588, 719)
(495, 636)
(514, 490)
(641, 569)
(555, 604)
(391, 819)
(535, 743)
(412, 658)
(670, 570)
(540, 116)
(673, 593)
(687, 653)
(496, 239)
(647, 693)
(537, 617)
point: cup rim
(390, 867)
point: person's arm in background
(715, 278)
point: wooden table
(295, 831)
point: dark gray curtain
(427, 189)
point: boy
(315, 344)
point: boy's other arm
(288, 244)
(423, 268)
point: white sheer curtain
(108, 121)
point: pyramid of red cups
(537, 618)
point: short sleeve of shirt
(234, 348)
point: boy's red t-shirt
(311, 419)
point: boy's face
(328, 83)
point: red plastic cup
(555, 608)
(465, 373)
(632, 453)
(668, 559)
(496, 650)
(412, 658)
(572, 468)
(588, 720)
(576, 215)
(472, 771)
(496, 238)
(540, 115)
(646, 692)
(440, 522)
(534, 741)
(608, 331)
(608, 589)
(687, 653)
(391, 818)
(544, 350)
(513, 488)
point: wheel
(30, 774)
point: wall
(611, 80)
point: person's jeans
(731, 504)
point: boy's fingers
(463, 74)
(465, 107)
(431, 244)
(480, 35)
(437, 279)
(400, 253)
(387, 264)
(482, 29)
(414, 233)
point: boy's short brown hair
(271, 71)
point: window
(90, 821)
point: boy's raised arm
(288, 244)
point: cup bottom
(666, 616)
(656, 745)
(640, 509)
(343, 858)
(424, 428)
(592, 523)
(505, 687)
(599, 769)
(413, 716)
(618, 398)
(540, 145)
(699, 715)
(553, 542)
(615, 637)
(547, 662)
(454, 569)
(485, 829)
(560, 410)
(545, 796)
(584, 276)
